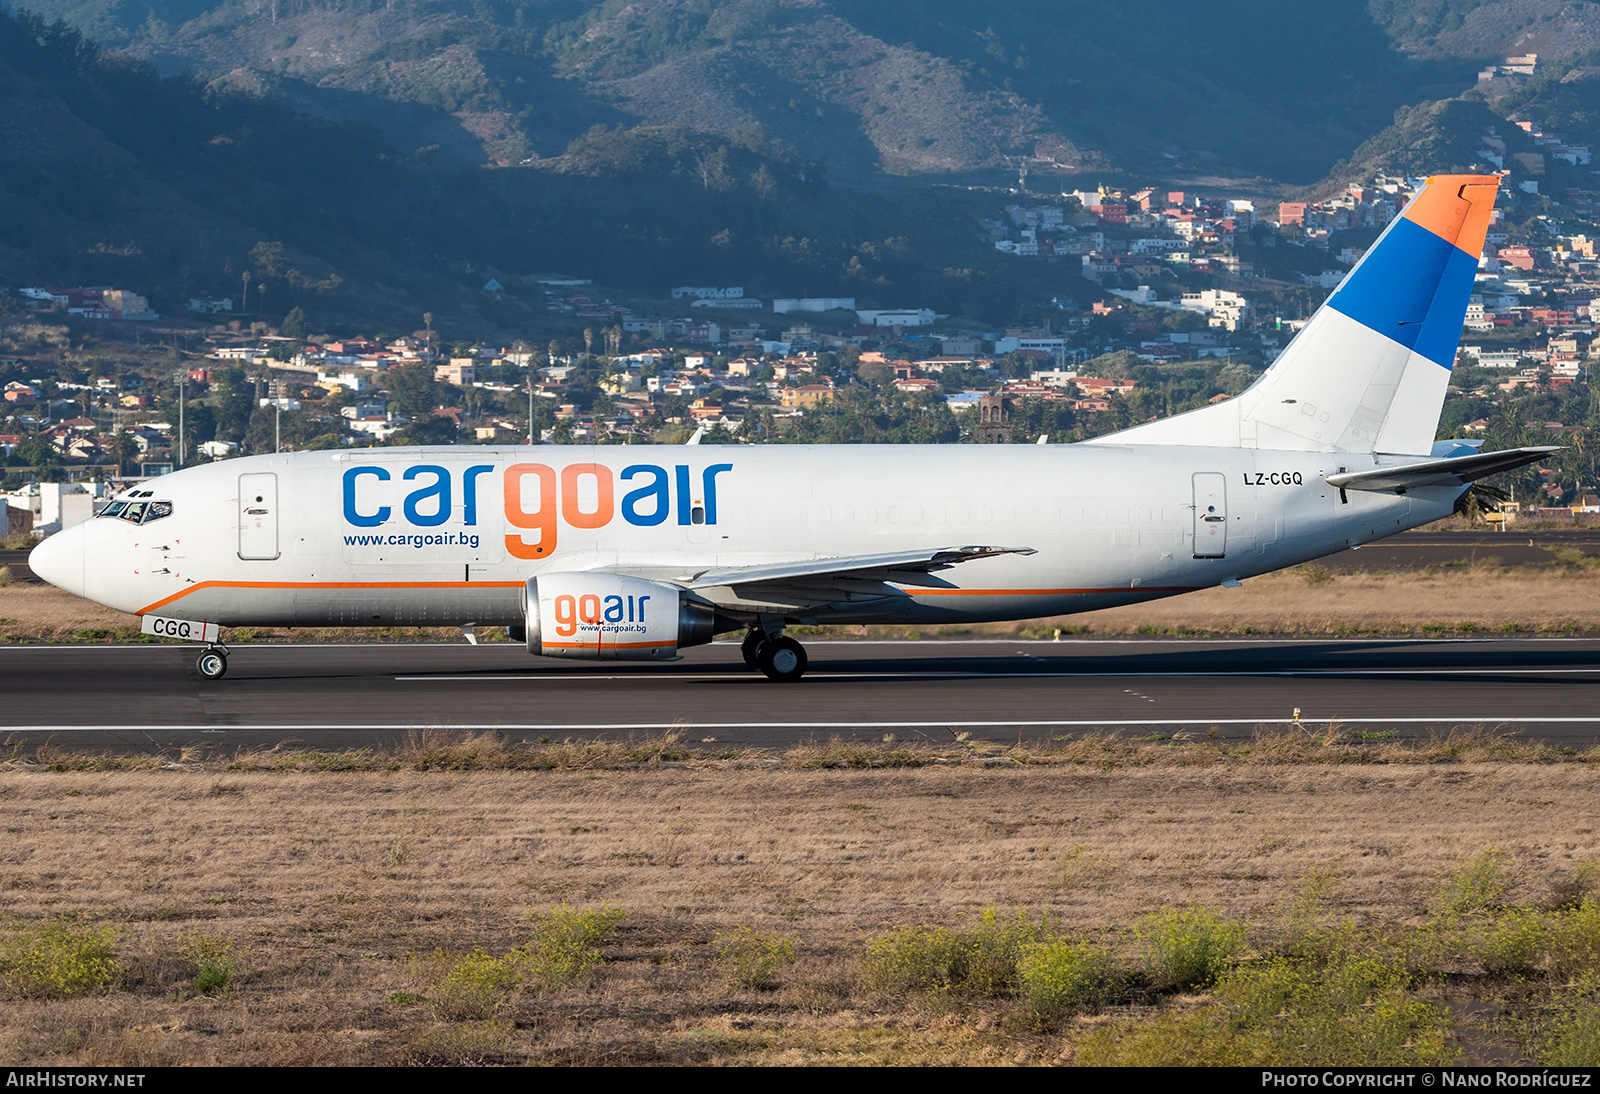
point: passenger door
(258, 516)
(1210, 515)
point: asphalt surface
(149, 698)
(1422, 550)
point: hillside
(787, 145)
(876, 90)
(198, 185)
(1490, 28)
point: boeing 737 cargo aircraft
(634, 553)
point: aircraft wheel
(782, 659)
(212, 665)
(750, 648)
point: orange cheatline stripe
(609, 645)
(1442, 209)
(1055, 592)
(328, 585)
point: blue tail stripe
(1397, 290)
(1441, 334)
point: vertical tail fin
(1368, 373)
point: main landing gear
(778, 657)
(213, 663)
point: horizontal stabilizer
(924, 561)
(1453, 472)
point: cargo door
(1210, 514)
(258, 516)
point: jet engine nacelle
(609, 616)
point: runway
(149, 698)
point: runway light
(1296, 715)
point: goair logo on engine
(536, 498)
(612, 613)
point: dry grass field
(1308, 601)
(1293, 899)
(1303, 602)
(313, 909)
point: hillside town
(1169, 299)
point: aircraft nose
(60, 559)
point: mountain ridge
(909, 88)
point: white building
(1223, 308)
(57, 505)
(1155, 246)
(701, 292)
(785, 305)
(897, 317)
(738, 303)
(355, 381)
(381, 428)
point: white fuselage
(449, 535)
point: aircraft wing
(1451, 472)
(866, 567)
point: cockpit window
(138, 512)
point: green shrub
(979, 961)
(1187, 948)
(752, 958)
(59, 960)
(1059, 978)
(1574, 1039)
(911, 959)
(1479, 884)
(1353, 1011)
(565, 942)
(1574, 942)
(1203, 1038)
(1514, 944)
(995, 945)
(476, 986)
(214, 962)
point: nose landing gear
(779, 657)
(213, 663)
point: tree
(122, 449)
(269, 258)
(232, 402)
(244, 301)
(294, 324)
(413, 389)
